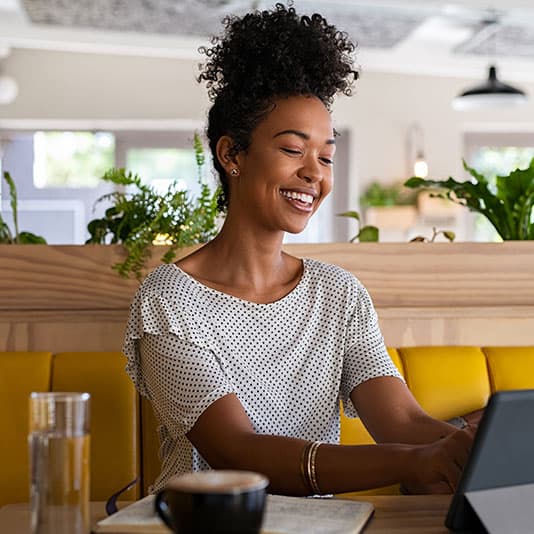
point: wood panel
(436, 274)
(62, 331)
(38, 277)
(396, 274)
(482, 326)
(67, 298)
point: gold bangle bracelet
(304, 458)
(312, 473)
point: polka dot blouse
(289, 362)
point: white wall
(66, 85)
(386, 104)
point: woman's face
(287, 170)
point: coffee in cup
(213, 502)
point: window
(71, 159)
(58, 173)
(496, 154)
(159, 167)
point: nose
(311, 171)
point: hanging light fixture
(493, 93)
(417, 165)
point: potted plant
(366, 233)
(16, 237)
(509, 208)
(389, 207)
(140, 217)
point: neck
(254, 258)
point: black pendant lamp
(491, 94)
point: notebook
(498, 479)
(288, 515)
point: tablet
(502, 454)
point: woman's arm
(224, 436)
(391, 414)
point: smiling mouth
(301, 201)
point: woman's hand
(437, 467)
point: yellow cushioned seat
(447, 381)
(114, 417)
(510, 367)
(20, 374)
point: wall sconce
(9, 88)
(415, 155)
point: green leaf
(352, 214)
(451, 236)
(27, 238)
(368, 233)
(415, 181)
(19, 237)
(509, 209)
(5, 234)
(394, 194)
(13, 203)
(139, 214)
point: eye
(327, 161)
(291, 151)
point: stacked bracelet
(308, 469)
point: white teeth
(303, 197)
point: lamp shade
(493, 93)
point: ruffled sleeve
(365, 355)
(162, 305)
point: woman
(245, 351)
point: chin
(294, 229)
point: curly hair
(266, 55)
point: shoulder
(166, 280)
(329, 275)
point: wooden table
(396, 513)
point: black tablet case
(502, 454)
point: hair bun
(278, 52)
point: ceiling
(424, 37)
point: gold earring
(234, 172)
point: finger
(461, 456)
(452, 474)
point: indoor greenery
(365, 233)
(509, 209)
(140, 216)
(447, 234)
(16, 237)
(378, 195)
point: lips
(300, 200)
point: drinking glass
(59, 463)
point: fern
(136, 218)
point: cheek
(327, 185)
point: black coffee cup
(213, 502)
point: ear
(224, 153)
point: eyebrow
(302, 135)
